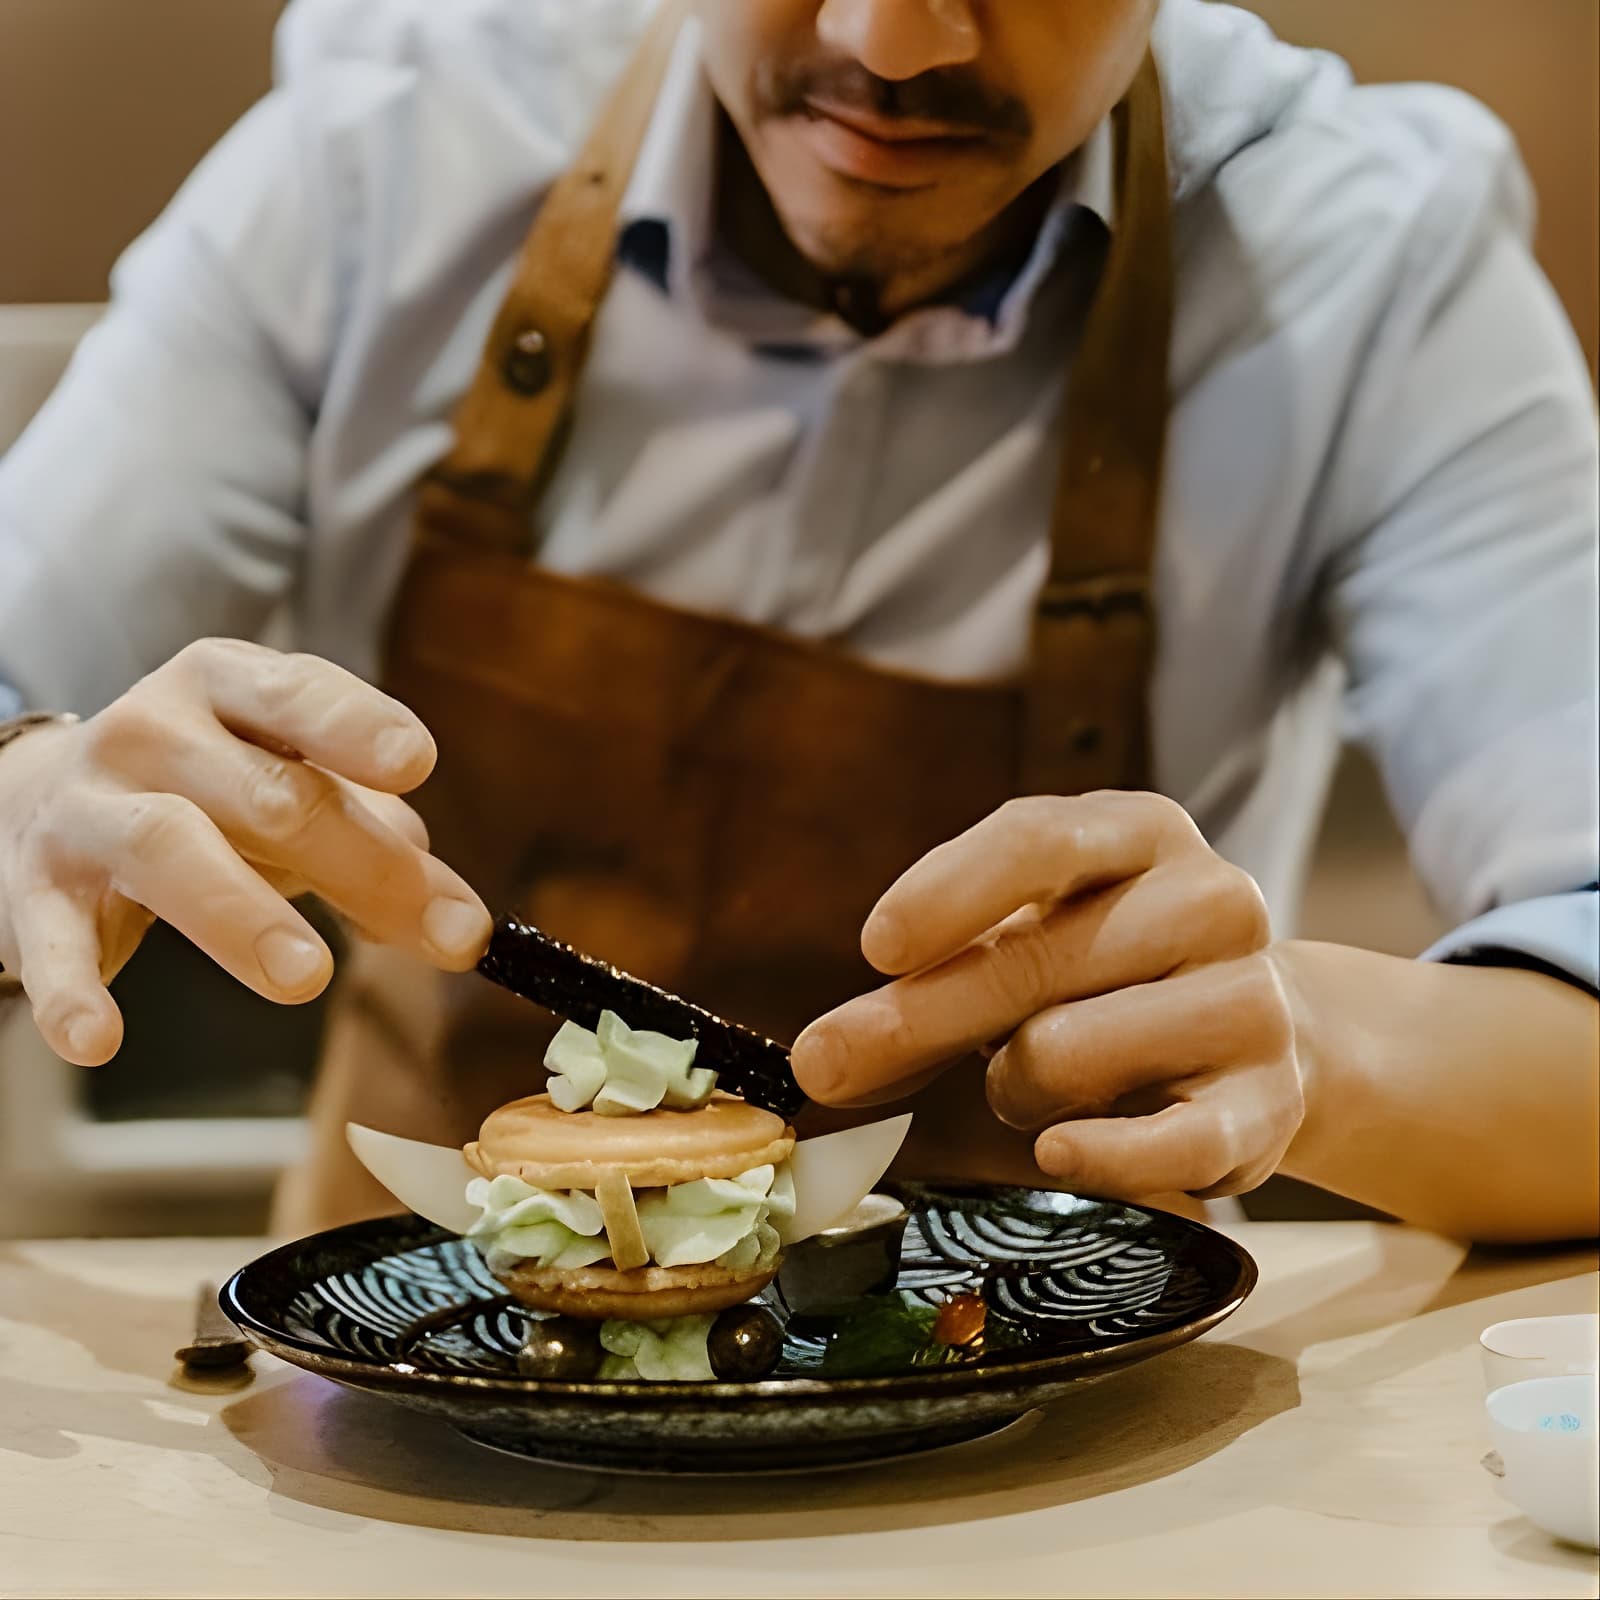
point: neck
(750, 225)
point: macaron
(533, 1140)
(645, 1294)
(613, 1158)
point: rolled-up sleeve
(1464, 598)
(159, 495)
(1558, 934)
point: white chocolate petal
(835, 1172)
(430, 1179)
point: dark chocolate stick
(572, 985)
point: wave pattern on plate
(1045, 1269)
(371, 1312)
(1061, 1270)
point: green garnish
(882, 1335)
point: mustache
(953, 96)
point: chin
(843, 244)
(880, 240)
(847, 228)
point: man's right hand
(229, 779)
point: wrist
(1461, 1099)
(1347, 1006)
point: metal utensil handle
(216, 1343)
(210, 1321)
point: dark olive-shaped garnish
(562, 1349)
(745, 1342)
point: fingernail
(290, 960)
(399, 747)
(455, 927)
(1053, 1156)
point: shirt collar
(668, 235)
(668, 210)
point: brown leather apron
(713, 805)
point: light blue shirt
(1383, 441)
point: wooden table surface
(1324, 1441)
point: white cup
(1547, 1454)
(1538, 1347)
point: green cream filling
(729, 1221)
(552, 1228)
(669, 1351)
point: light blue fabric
(1560, 930)
(10, 701)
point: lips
(891, 152)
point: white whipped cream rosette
(620, 1071)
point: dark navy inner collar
(645, 247)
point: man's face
(890, 133)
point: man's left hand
(1121, 977)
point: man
(764, 553)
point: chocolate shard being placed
(572, 985)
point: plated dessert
(636, 1203)
(1000, 1301)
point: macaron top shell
(553, 1149)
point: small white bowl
(1538, 1347)
(1546, 1454)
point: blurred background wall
(104, 107)
(105, 104)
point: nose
(900, 39)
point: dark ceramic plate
(1074, 1289)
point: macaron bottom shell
(645, 1294)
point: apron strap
(1085, 722)
(508, 428)
(1086, 716)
